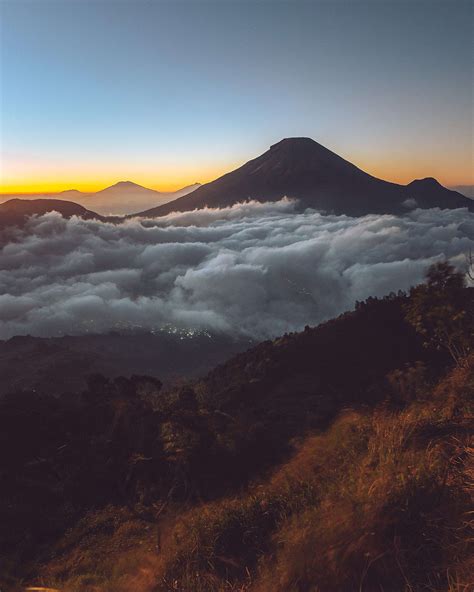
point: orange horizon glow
(165, 114)
(404, 174)
(30, 174)
(48, 175)
(33, 188)
(167, 184)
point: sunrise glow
(162, 114)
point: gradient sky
(168, 93)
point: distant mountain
(301, 168)
(125, 197)
(16, 211)
(71, 193)
(120, 198)
(125, 188)
(429, 193)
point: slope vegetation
(339, 458)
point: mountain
(73, 193)
(301, 168)
(125, 196)
(429, 193)
(307, 442)
(15, 211)
(120, 199)
(125, 188)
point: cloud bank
(254, 269)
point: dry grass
(101, 551)
(379, 502)
(382, 501)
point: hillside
(351, 438)
(15, 212)
(302, 169)
(71, 359)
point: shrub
(379, 501)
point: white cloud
(257, 269)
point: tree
(441, 310)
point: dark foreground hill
(333, 459)
(302, 169)
(15, 212)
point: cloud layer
(255, 269)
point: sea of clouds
(254, 269)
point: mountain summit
(126, 186)
(301, 168)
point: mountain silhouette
(16, 211)
(429, 190)
(301, 168)
(125, 187)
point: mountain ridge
(16, 211)
(303, 169)
(298, 168)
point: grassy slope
(323, 461)
(378, 501)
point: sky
(169, 93)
